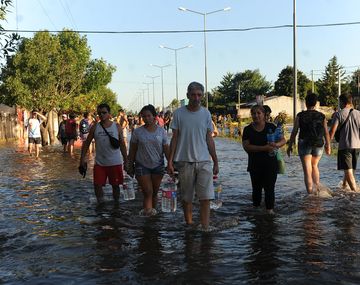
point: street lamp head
(182, 9)
(161, 46)
(189, 46)
(227, 8)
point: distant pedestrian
(61, 135)
(71, 131)
(34, 134)
(122, 120)
(108, 158)
(192, 150)
(84, 129)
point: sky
(267, 50)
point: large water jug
(128, 188)
(168, 195)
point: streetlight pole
(294, 58)
(153, 77)
(205, 49)
(176, 69)
(162, 81)
(147, 85)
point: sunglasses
(103, 113)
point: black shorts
(35, 140)
(63, 141)
(347, 158)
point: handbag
(115, 143)
(337, 133)
(281, 163)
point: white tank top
(106, 155)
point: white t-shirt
(34, 128)
(150, 151)
(106, 155)
(192, 127)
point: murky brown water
(52, 232)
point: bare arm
(333, 129)
(211, 147)
(86, 144)
(327, 138)
(122, 145)
(256, 148)
(173, 145)
(293, 136)
(41, 116)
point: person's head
(148, 114)
(72, 116)
(195, 92)
(268, 111)
(64, 117)
(257, 114)
(103, 110)
(86, 114)
(34, 113)
(311, 100)
(345, 99)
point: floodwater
(52, 232)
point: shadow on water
(52, 231)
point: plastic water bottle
(168, 195)
(216, 204)
(278, 133)
(270, 139)
(128, 188)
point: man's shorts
(195, 177)
(35, 140)
(141, 170)
(305, 149)
(114, 173)
(347, 158)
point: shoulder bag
(337, 133)
(115, 143)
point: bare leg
(156, 181)
(71, 146)
(315, 170)
(188, 212)
(307, 169)
(205, 213)
(147, 189)
(116, 192)
(99, 193)
(30, 148)
(350, 179)
(37, 150)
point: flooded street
(52, 232)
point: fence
(9, 129)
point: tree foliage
(284, 85)
(328, 84)
(54, 71)
(251, 83)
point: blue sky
(266, 50)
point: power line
(46, 14)
(193, 31)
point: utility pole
(339, 87)
(312, 81)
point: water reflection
(52, 232)
(263, 261)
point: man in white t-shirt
(192, 150)
(34, 134)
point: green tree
(355, 83)
(328, 84)
(284, 84)
(251, 83)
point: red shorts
(114, 173)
